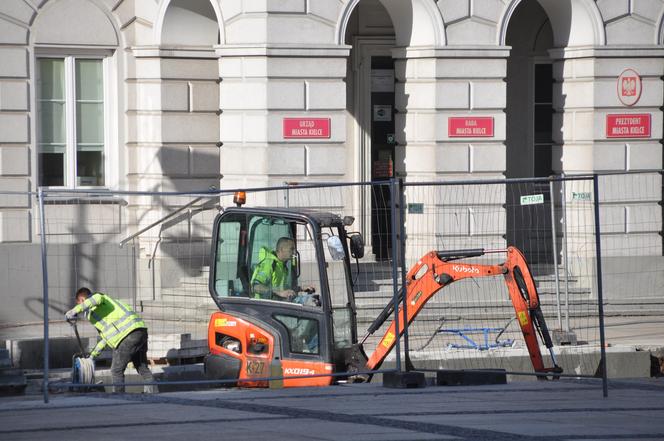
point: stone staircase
(191, 301)
(374, 290)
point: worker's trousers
(134, 348)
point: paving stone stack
(175, 348)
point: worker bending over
(120, 328)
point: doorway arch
(574, 22)
(189, 23)
(416, 22)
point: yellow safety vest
(113, 319)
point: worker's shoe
(151, 389)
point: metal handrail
(160, 221)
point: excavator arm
(438, 269)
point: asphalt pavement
(544, 410)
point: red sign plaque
(628, 125)
(306, 128)
(629, 87)
(470, 126)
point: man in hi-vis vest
(120, 328)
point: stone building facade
(178, 95)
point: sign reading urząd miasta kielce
(310, 128)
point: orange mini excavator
(292, 314)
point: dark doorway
(382, 153)
(530, 146)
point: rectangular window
(70, 119)
(543, 119)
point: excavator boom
(435, 270)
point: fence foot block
(404, 380)
(452, 377)
(563, 338)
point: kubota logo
(465, 269)
(298, 371)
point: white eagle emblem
(629, 86)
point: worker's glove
(70, 315)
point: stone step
(12, 381)
(386, 294)
(181, 309)
(175, 347)
(5, 361)
(187, 291)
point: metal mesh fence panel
(632, 262)
(472, 324)
(20, 282)
(153, 251)
(147, 250)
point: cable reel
(83, 367)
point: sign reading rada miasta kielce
(309, 128)
(470, 126)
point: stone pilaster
(260, 86)
(589, 92)
(434, 85)
(15, 128)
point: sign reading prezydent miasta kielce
(308, 128)
(470, 126)
(628, 125)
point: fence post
(395, 277)
(555, 251)
(42, 231)
(600, 297)
(402, 257)
(566, 252)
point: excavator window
(266, 257)
(302, 333)
(339, 295)
(228, 280)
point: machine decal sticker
(223, 322)
(388, 339)
(299, 371)
(255, 367)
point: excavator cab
(284, 311)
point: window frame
(109, 155)
(534, 103)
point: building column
(261, 86)
(172, 146)
(173, 124)
(434, 87)
(16, 133)
(595, 137)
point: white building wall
(178, 103)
